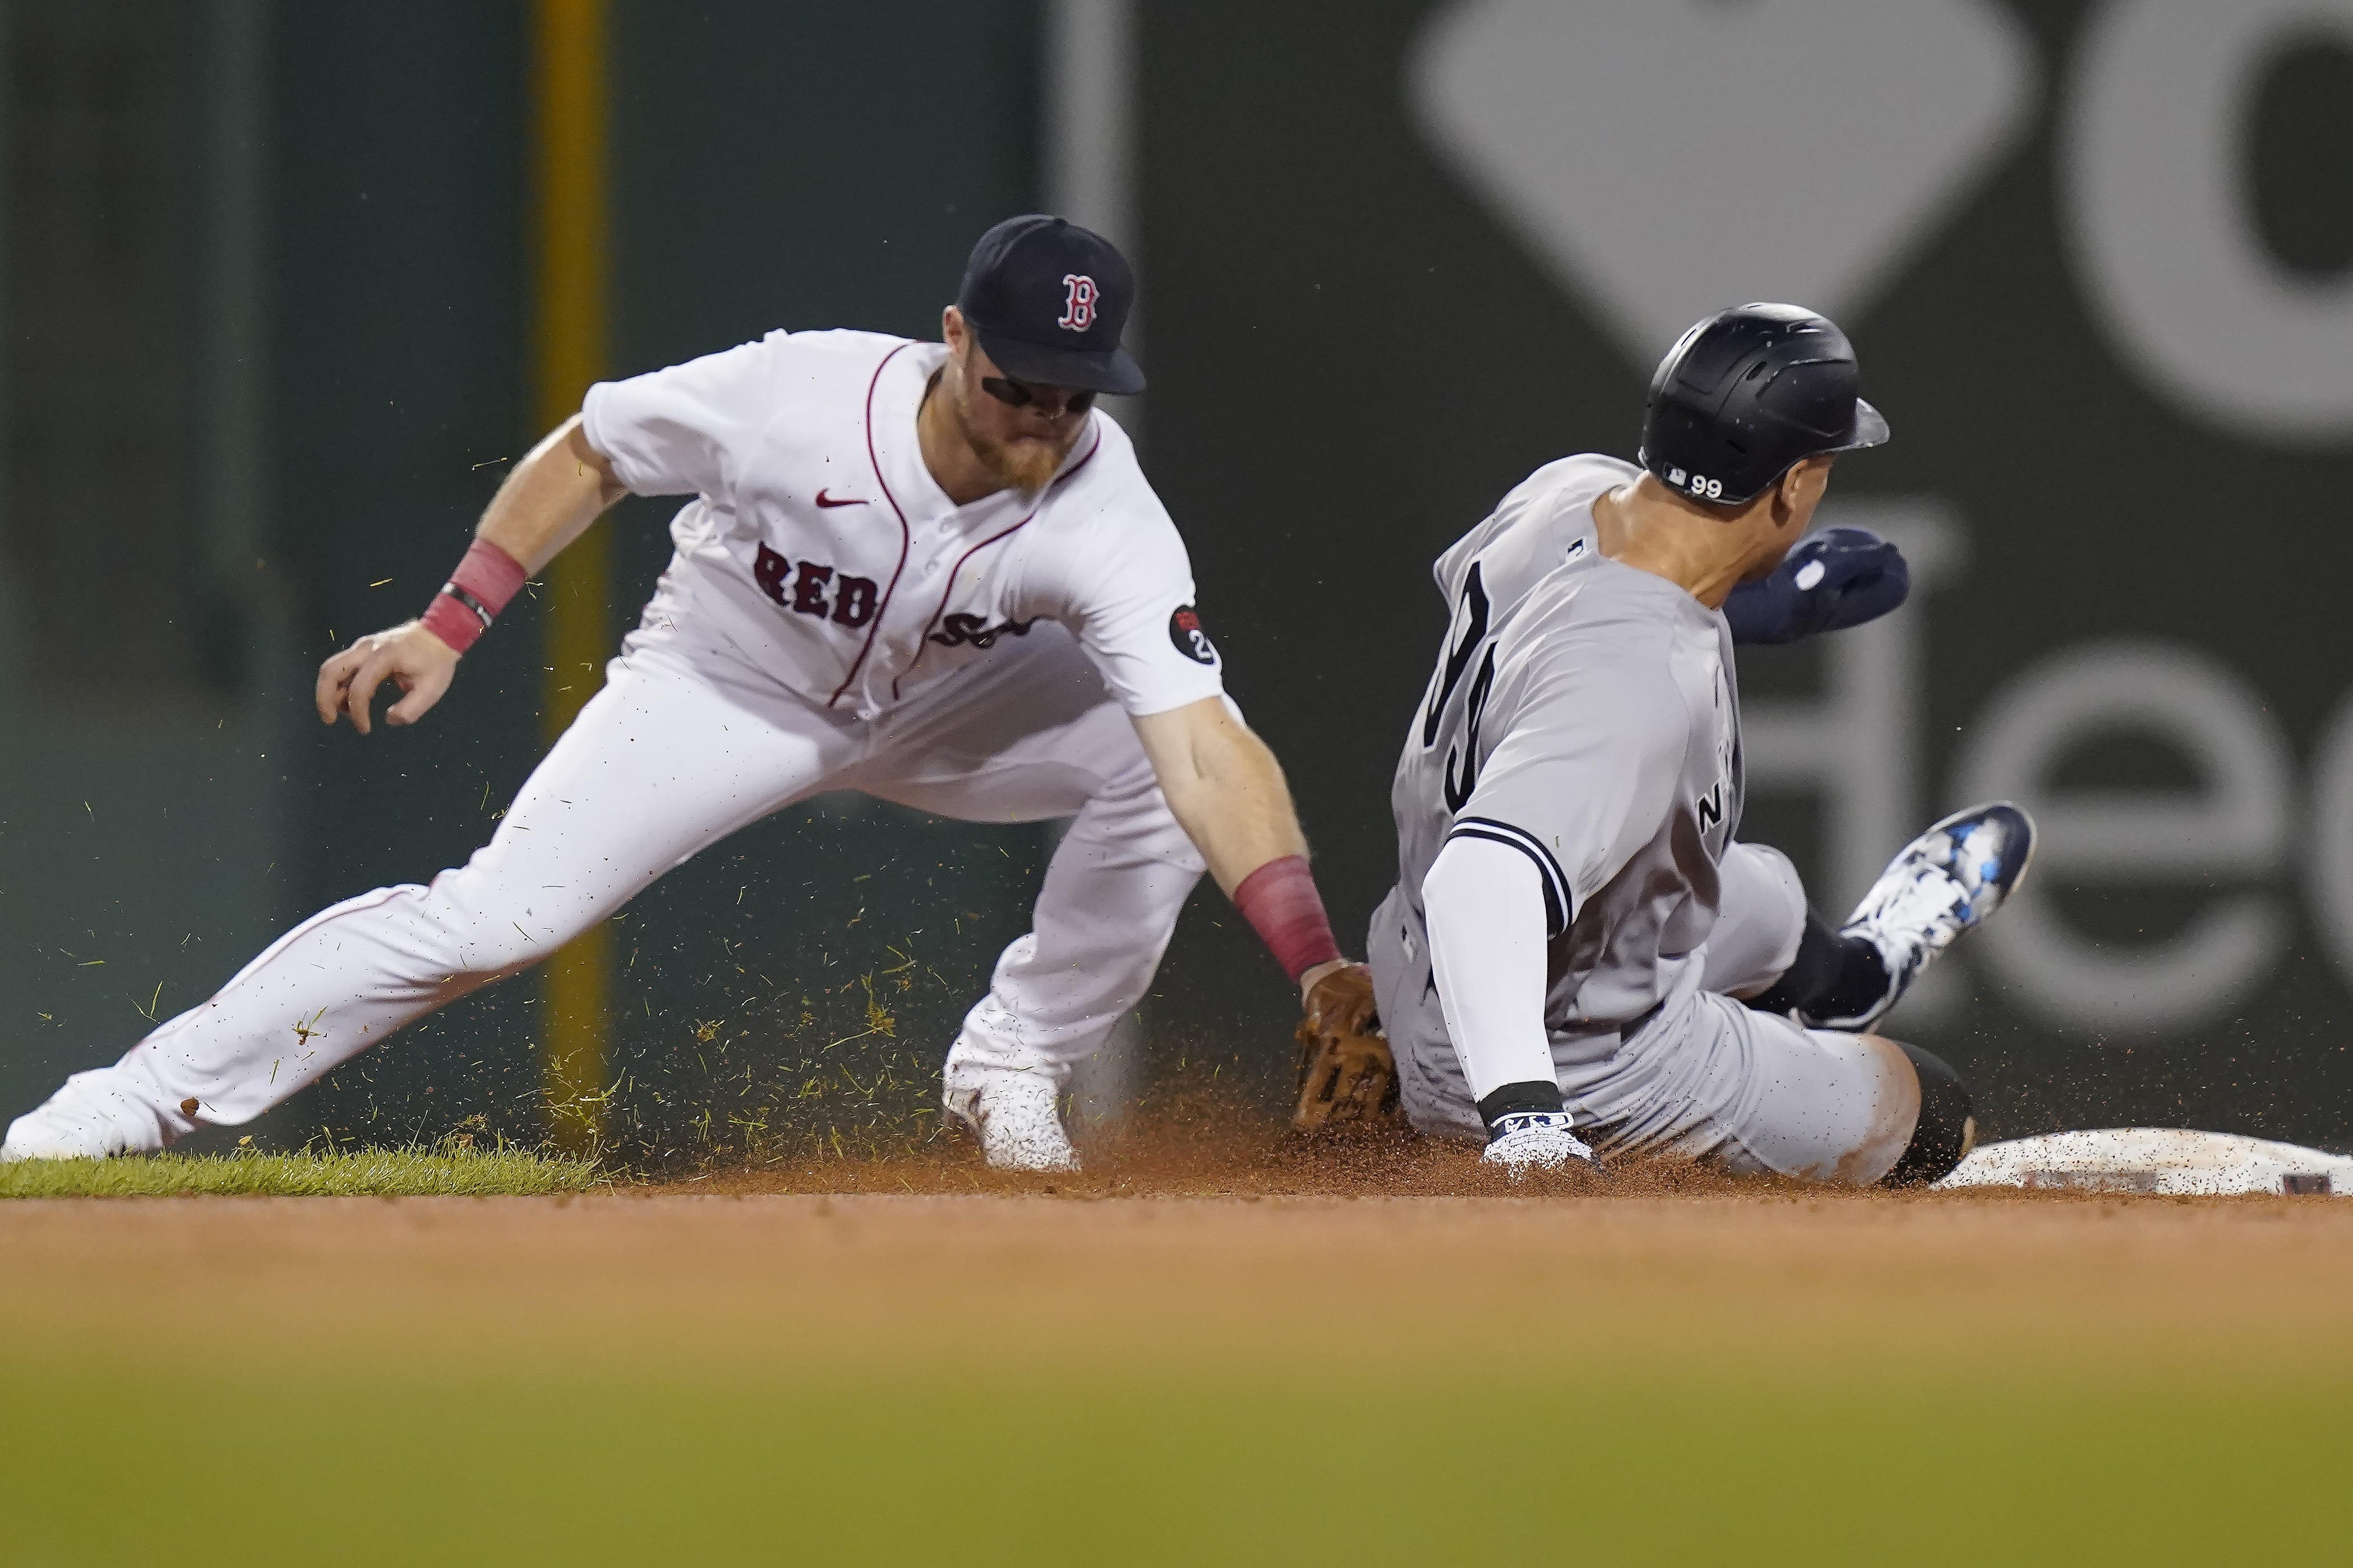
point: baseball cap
(1048, 300)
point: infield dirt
(655, 1376)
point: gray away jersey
(1583, 712)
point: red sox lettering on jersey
(819, 541)
(853, 600)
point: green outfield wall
(267, 355)
(353, 201)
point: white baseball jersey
(819, 543)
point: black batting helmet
(1747, 393)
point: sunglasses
(1015, 394)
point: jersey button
(931, 568)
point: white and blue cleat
(1946, 881)
(1527, 1142)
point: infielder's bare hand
(421, 663)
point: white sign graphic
(2161, 229)
(1663, 159)
(2228, 833)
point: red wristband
(1281, 902)
(472, 598)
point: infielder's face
(1022, 446)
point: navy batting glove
(1840, 577)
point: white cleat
(60, 1132)
(91, 1117)
(1014, 1117)
(1946, 880)
(1532, 1141)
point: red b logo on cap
(1079, 308)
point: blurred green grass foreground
(453, 1168)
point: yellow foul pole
(568, 353)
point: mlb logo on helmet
(1048, 300)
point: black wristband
(1535, 1096)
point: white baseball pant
(687, 743)
(1701, 1078)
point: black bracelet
(471, 603)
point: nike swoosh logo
(825, 499)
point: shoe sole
(2033, 842)
(2034, 839)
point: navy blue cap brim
(1083, 369)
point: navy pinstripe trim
(1559, 907)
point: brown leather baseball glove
(1346, 1074)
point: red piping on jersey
(906, 536)
(949, 591)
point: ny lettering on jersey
(1711, 810)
